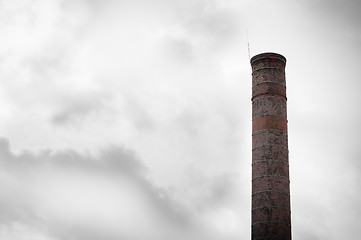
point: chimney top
(268, 55)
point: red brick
(269, 137)
(270, 152)
(269, 89)
(270, 183)
(270, 168)
(269, 105)
(274, 214)
(271, 217)
(271, 198)
(269, 122)
(268, 75)
(271, 231)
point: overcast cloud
(132, 119)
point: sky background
(131, 119)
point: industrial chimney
(271, 215)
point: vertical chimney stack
(271, 215)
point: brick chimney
(271, 215)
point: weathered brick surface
(270, 152)
(271, 218)
(269, 137)
(269, 89)
(269, 105)
(268, 60)
(271, 231)
(270, 183)
(267, 63)
(269, 198)
(268, 75)
(270, 168)
(274, 214)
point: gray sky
(132, 119)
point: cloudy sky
(131, 119)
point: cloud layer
(68, 195)
(170, 80)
